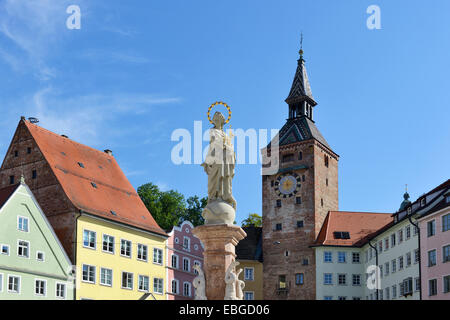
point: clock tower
(297, 197)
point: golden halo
(219, 103)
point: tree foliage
(169, 208)
(252, 219)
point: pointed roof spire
(300, 89)
(406, 202)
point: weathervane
(301, 45)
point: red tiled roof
(6, 192)
(360, 225)
(77, 166)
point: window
(408, 259)
(196, 263)
(108, 243)
(431, 228)
(393, 240)
(327, 298)
(5, 249)
(186, 265)
(386, 269)
(356, 257)
(278, 227)
(142, 252)
(94, 185)
(88, 273)
(300, 155)
(158, 285)
(298, 200)
(13, 284)
(248, 274)
(174, 286)
(326, 161)
(408, 232)
(127, 280)
(342, 298)
(40, 287)
(342, 279)
(356, 279)
(60, 290)
(386, 244)
(432, 287)
(89, 240)
(186, 289)
(22, 224)
(175, 261)
(157, 256)
(446, 222)
(446, 284)
(28, 150)
(431, 258)
(300, 224)
(125, 248)
(144, 283)
(387, 293)
(187, 244)
(394, 266)
(249, 295)
(303, 178)
(328, 278)
(446, 254)
(416, 256)
(321, 202)
(326, 182)
(23, 249)
(305, 262)
(400, 263)
(40, 256)
(423, 202)
(417, 284)
(16, 153)
(11, 179)
(282, 282)
(380, 294)
(380, 246)
(34, 174)
(278, 203)
(342, 257)
(394, 291)
(81, 164)
(328, 256)
(106, 277)
(381, 271)
(299, 278)
(400, 236)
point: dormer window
(423, 202)
(94, 185)
(81, 164)
(409, 210)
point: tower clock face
(287, 184)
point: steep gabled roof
(300, 89)
(92, 180)
(300, 129)
(360, 226)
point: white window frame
(159, 250)
(252, 278)
(177, 286)
(18, 284)
(325, 254)
(162, 286)
(122, 241)
(132, 280)
(7, 246)
(359, 257)
(197, 263)
(95, 240)
(29, 249)
(189, 264)
(188, 247)
(43, 256)
(113, 243)
(189, 287)
(64, 290)
(45, 287)
(146, 252)
(100, 277)
(28, 224)
(139, 282)
(95, 271)
(324, 278)
(344, 255)
(356, 276)
(177, 260)
(249, 292)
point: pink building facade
(435, 247)
(183, 251)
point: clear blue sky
(137, 70)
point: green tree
(253, 219)
(166, 207)
(193, 212)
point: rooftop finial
(301, 45)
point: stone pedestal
(220, 241)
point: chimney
(108, 152)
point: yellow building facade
(118, 262)
(252, 275)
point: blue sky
(138, 70)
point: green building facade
(33, 263)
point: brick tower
(297, 198)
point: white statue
(231, 280)
(239, 286)
(219, 166)
(199, 284)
